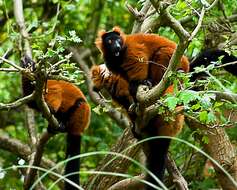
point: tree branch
(140, 16)
(129, 184)
(149, 97)
(177, 177)
(12, 64)
(232, 97)
(17, 103)
(19, 16)
(220, 149)
(29, 179)
(109, 163)
(24, 151)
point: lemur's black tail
(72, 166)
(156, 151)
(156, 160)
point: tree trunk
(220, 148)
(118, 165)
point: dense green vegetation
(55, 25)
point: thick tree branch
(223, 95)
(32, 132)
(40, 82)
(220, 148)
(111, 164)
(129, 184)
(152, 95)
(17, 103)
(19, 16)
(135, 183)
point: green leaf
(60, 49)
(72, 33)
(187, 96)
(196, 106)
(50, 53)
(171, 102)
(218, 104)
(211, 118)
(203, 116)
(97, 109)
(205, 139)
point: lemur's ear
(117, 29)
(98, 41)
(101, 33)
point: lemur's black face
(113, 43)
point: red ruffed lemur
(143, 58)
(117, 86)
(69, 105)
(139, 58)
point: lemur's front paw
(148, 83)
(61, 129)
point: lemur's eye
(110, 41)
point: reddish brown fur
(143, 49)
(115, 84)
(102, 78)
(61, 96)
(146, 57)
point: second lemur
(69, 105)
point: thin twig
(195, 31)
(56, 65)
(12, 64)
(37, 159)
(6, 54)
(226, 64)
(212, 5)
(17, 103)
(9, 70)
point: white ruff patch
(104, 70)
